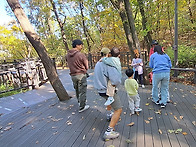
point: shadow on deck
(54, 123)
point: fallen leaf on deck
(160, 131)
(176, 118)
(194, 123)
(73, 113)
(11, 123)
(158, 112)
(175, 89)
(69, 122)
(166, 114)
(28, 112)
(128, 141)
(55, 133)
(131, 124)
(150, 118)
(54, 127)
(49, 117)
(147, 104)
(151, 108)
(107, 139)
(125, 113)
(94, 129)
(147, 121)
(137, 113)
(170, 113)
(111, 146)
(171, 131)
(84, 137)
(178, 131)
(149, 98)
(54, 119)
(37, 142)
(7, 128)
(184, 133)
(1, 127)
(181, 117)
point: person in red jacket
(154, 42)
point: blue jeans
(163, 78)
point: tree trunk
(84, 27)
(132, 25)
(147, 37)
(40, 49)
(120, 6)
(60, 25)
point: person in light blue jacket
(161, 65)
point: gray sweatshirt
(102, 74)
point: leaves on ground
(160, 131)
(184, 133)
(147, 121)
(131, 124)
(69, 122)
(194, 123)
(7, 128)
(128, 141)
(150, 118)
(175, 131)
(84, 137)
(110, 145)
(158, 112)
(181, 117)
(176, 118)
(11, 123)
(147, 104)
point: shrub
(186, 56)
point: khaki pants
(80, 85)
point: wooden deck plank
(87, 128)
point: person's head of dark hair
(154, 42)
(76, 42)
(115, 52)
(158, 49)
(129, 72)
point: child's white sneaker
(109, 101)
(138, 109)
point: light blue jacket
(103, 73)
(160, 63)
(113, 61)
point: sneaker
(110, 135)
(157, 102)
(109, 101)
(163, 105)
(143, 86)
(83, 109)
(138, 109)
(109, 116)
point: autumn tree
(39, 47)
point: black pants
(139, 77)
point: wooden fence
(31, 73)
(20, 74)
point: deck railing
(20, 74)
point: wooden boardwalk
(57, 124)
